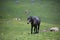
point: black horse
(35, 23)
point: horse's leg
(35, 28)
(38, 27)
(31, 29)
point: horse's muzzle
(27, 23)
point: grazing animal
(35, 23)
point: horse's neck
(32, 21)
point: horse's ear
(30, 16)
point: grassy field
(11, 29)
(19, 30)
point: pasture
(12, 29)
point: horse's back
(36, 18)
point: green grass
(19, 30)
(10, 29)
(48, 11)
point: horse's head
(29, 19)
